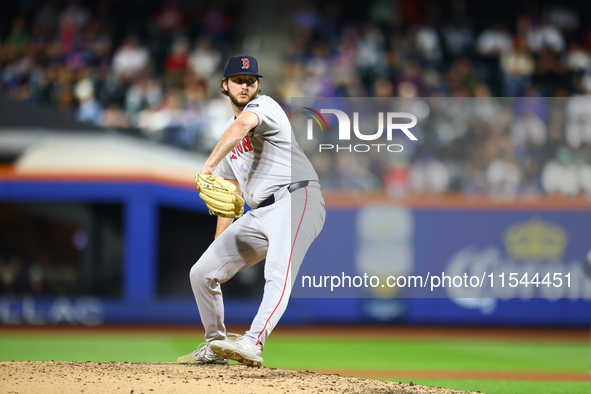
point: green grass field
(350, 354)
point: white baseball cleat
(238, 348)
(202, 355)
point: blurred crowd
(502, 147)
(154, 66)
(540, 51)
(146, 66)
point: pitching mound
(136, 378)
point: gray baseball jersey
(268, 157)
(265, 163)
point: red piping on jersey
(288, 268)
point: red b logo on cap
(245, 63)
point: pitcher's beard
(241, 102)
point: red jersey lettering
(242, 147)
(247, 144)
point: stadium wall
(373, 239)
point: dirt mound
(136, 378)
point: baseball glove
(220, 196)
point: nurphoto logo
(390, 118)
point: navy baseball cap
(242, 65)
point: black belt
(292, 188)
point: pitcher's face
(242, 89)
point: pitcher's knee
(200, 274)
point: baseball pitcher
(256, 160)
